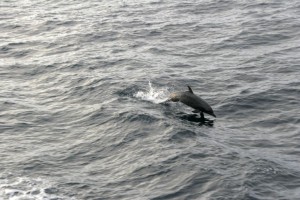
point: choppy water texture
(82, 84)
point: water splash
(154, 95)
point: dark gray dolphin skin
(190, 99)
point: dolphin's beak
(167, 101)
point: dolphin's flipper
(190, 90)
(195, 111)
(202, 116)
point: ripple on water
(77, 107)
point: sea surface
(83, 86)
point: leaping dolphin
(190, 99)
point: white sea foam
(22, 188)
(154, 95)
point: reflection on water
(196, 118)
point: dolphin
(190, 99)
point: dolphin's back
(195, 102)
(190, 99)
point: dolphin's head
(174, 97)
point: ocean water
(83, 85)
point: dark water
(81, 86)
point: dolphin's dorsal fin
(190, 90)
